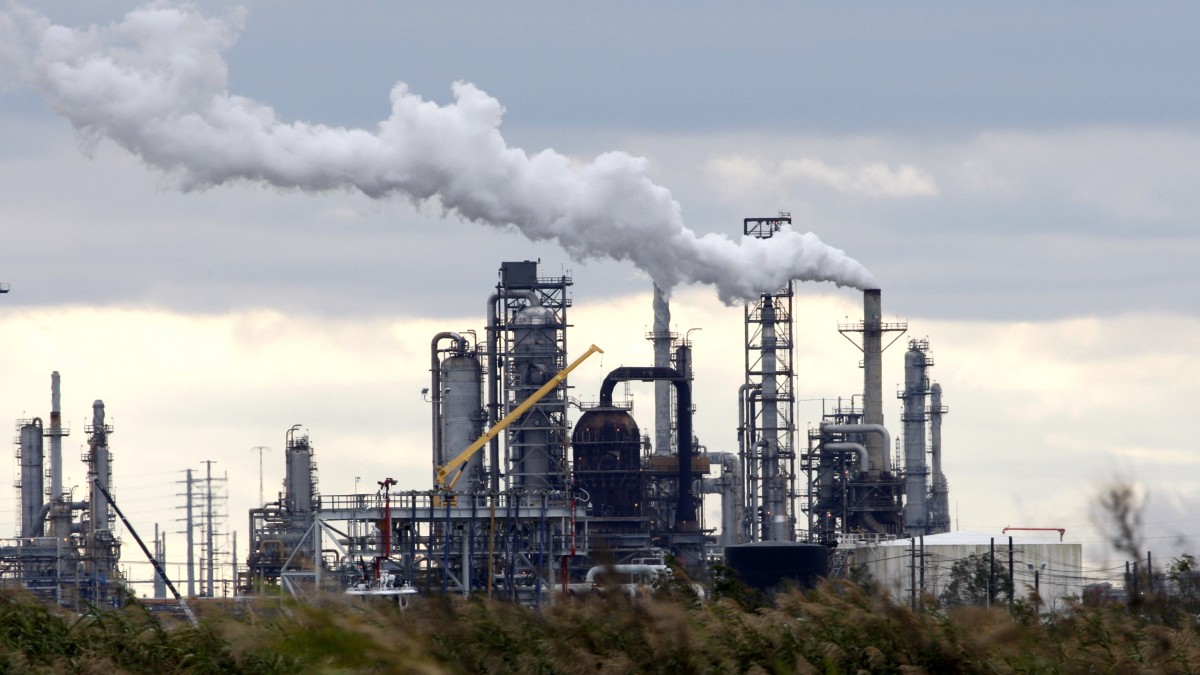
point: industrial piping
(685, 510)
(859, 449)
(885, 437)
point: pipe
(858, 448)
(685, 509)
(732, 507)
(649, 570)
(864, 429)
(39, 521)
(743, 437)
(493, 388)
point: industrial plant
(534, 487)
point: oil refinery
(526, 503)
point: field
(840, 627)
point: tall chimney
(661, 336)
(873, 373)
(56, 434)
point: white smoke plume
(157, 85)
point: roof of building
(984, 539)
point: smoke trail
(157, 84)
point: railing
(424, 500)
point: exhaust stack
(873, 373)
(873, 328)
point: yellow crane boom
(444, 470)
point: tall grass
(835, 628)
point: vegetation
(840, 627)
(845, 626)
(975, 581)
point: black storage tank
(771, 565)
(607, 444)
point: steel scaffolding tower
(768, 441)
(528, 334)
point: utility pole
(191, 550)
(1011, 587)
(912, 571)
(235, 563)
(208, 523)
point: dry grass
(836, 628)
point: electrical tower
(202, 504)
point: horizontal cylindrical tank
(607, 446)
(773, 565)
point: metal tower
(768, 440)
(527, 342)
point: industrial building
(524, 501)
(65, 550)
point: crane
(444, 470)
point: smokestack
(56, 434)
(661, 335)
(873, 372)
(157, 84)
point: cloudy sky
(225, 219)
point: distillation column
(99, 470)
(939, 518)
(300, 474)
(916, 387)
(528, 343)
(458, 412)
(30, 453)
(103, 549)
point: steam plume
(157, 85)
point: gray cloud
(156, 84)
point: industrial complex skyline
(1018, 181)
